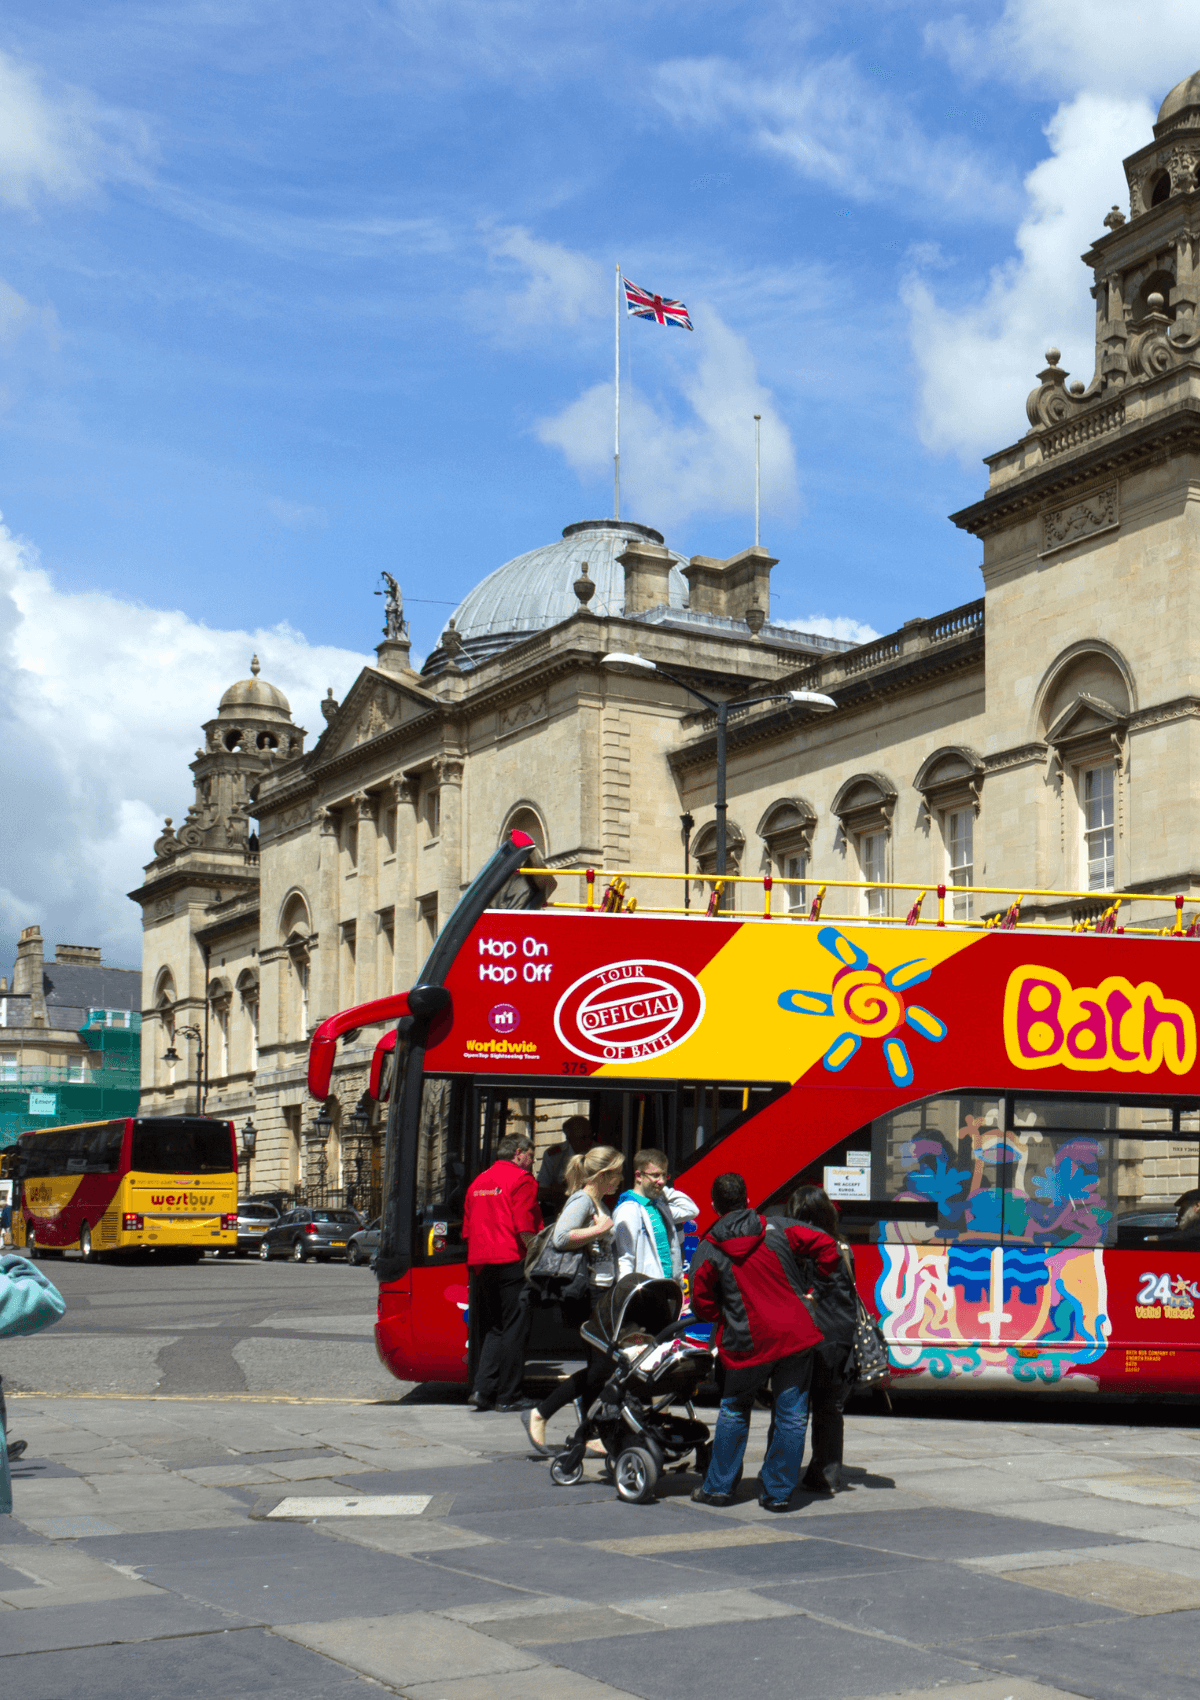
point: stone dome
(537, 589)
(1183, 99)
(254, 693)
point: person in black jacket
(835, 1309)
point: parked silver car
(305, 1233)
(362, 1246)
(252, 1223)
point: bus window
(1061, 1172)
(181, 1145)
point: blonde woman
(584, 1224)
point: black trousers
(826, 1402)
(498, 1318)
(586, 1383)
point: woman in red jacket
(746, 1277)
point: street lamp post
(816, 700)
(171, 1055)
(687, 822)
(249, 1141)
(319, 1136)
(356, 1125)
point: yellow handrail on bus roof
(618, 879)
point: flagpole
(617, 397)
(757, 446)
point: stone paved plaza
(984, 1551)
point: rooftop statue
(394, 625)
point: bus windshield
(176, 1145)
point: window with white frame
(960, 860)
(872, 859)
(796, 868)
(1098, 826)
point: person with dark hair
(835, 1311)
(746, 1277)
(500, 1217)
(552, 1176)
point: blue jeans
(789, 1379)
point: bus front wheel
(85, 1244)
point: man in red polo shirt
(500, 1218)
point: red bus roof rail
(422, 1001)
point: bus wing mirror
(382, 1051)
(324, 1041)
(427, 1001)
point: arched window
(164, 1009)
(864, 805)
(247, 987)
(220, 998)
(295, 936)
(1082, 712)
(704, 854)
(787, 829)
(527, 818)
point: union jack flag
(640, 304)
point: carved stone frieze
(1098, 511)
(514, 717)
(1020, 756)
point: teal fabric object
(662, 1239)
(28, 1303)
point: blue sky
(293, 293)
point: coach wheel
(264, 1252)
(85, 1243)
(565, 1475)
(299, 1252)
(32, 1250)
(636, 1475)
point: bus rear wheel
(85, 1244)
(32, 1250)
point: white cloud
(1104, 46)
(57, 144)
(840, 626)
(101, 704)
(701, 462)
(563, 287)
(838, 129)
(297, 517)
(978, 361)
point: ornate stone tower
(199, 904)
(1091, 536)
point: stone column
(403, 893)
(366, 926)
(323, 989)
(449, 770)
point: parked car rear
(253, 1222)
(309, 1233)
(362, 1246)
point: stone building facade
(1043, 735)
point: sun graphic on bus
(867, 1003)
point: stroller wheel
(609, 1467)
(564, 1474)
(636, 1475)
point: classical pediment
(1085, 720)
(378, 702)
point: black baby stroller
(654, 1366)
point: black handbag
(869, 1361)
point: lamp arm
(684, 686)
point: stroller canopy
(648, 1302)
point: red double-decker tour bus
(1006, 1112)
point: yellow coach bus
(167, 1183)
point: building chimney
(647, 576)
(28, 974)
(78, 955)
(731, 587)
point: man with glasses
(648, 1218)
